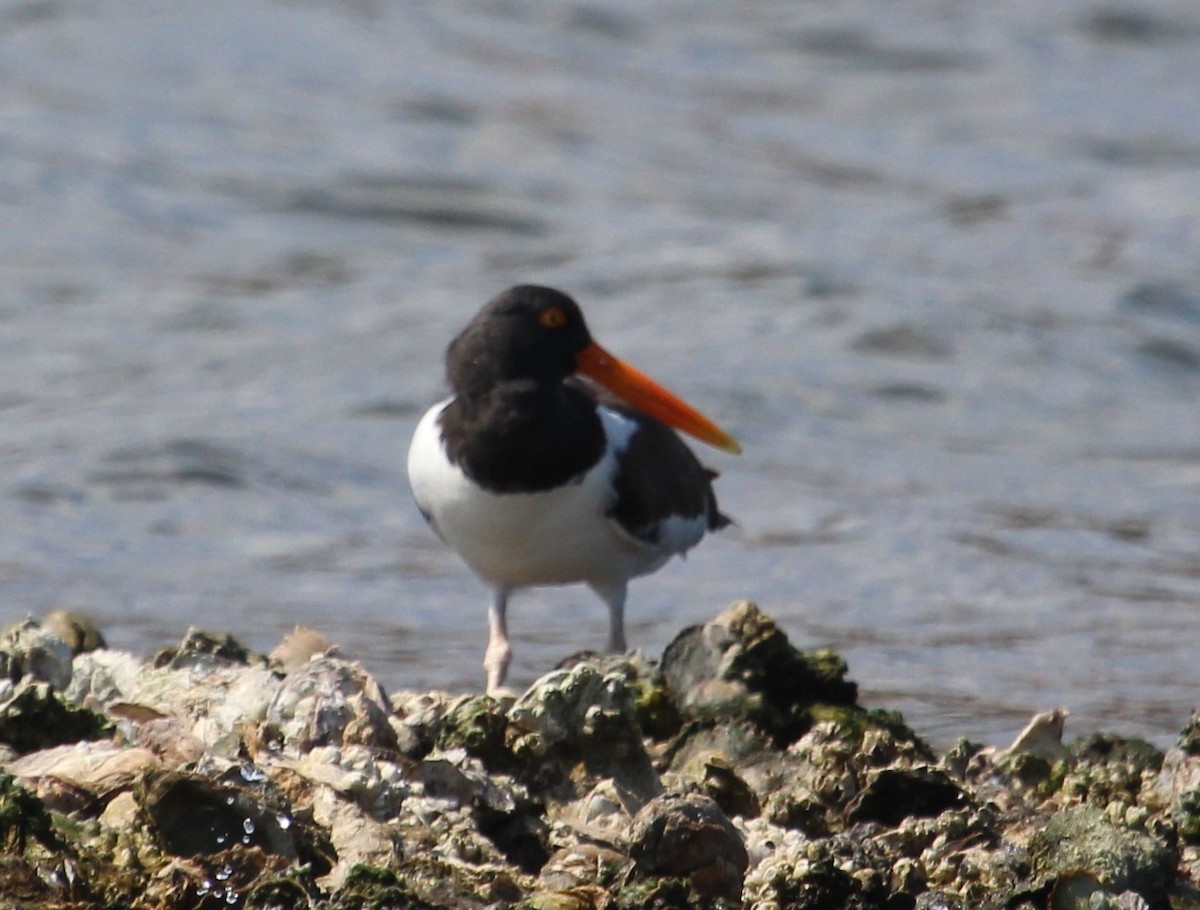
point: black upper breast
(522, 437)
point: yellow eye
(553, 318)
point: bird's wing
(662, 496)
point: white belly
(557, 537)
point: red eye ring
(552, 318)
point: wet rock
(376, 785)
(355, 839)
(581, 865)
(371, 886)
(215, 780)
(1081, 842)
(329, 701)
(28, 650)
(191, 814)
(479, 726)
(77, 631)
(894, 794)
(102, 677)
(417, 718)
(23, 818)
(297, 648)
(203, 649)
(727, 789)
(216, 701)
(1042, 737)
(584, 897)
(33, 716)
(689, 837)
(583, 717)
(81, 778)
(742, 665)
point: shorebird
(536, 477)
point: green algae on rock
(742, 664)
(33, 716)
(1081, 842)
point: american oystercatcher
(537, 478)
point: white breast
(560, 536)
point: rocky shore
(735, 771)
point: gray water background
(935, 263)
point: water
(935, 264)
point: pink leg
(614, 598)
(498, 654)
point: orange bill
(648, 396)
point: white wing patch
(671, 536)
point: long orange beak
(648, 396)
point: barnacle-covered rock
(1115, 774)
(741, 774)
(689, 837)
(891, 795)
(365, 886)
(478, 725)
(214, 700)
(81, 778)
(1082, 846)
(741, 665)
(297, 648)
(830, 768)
(202, 648)
(191, 814)
(33, 716)
(79, 632)
(581, 864)
(581, 717)
(498, 807)
(417, 719)
(100, 678)
(330, 701)
(355, 839)
(31, 651)
(790, 878)
(1179, 782)
(23, 818)
(357, 773)
(965, 852)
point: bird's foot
(503, 694)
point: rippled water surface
(936, 265)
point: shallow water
(934, 264)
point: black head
(528, 332)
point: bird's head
(538, 334)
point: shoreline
(734, 771)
